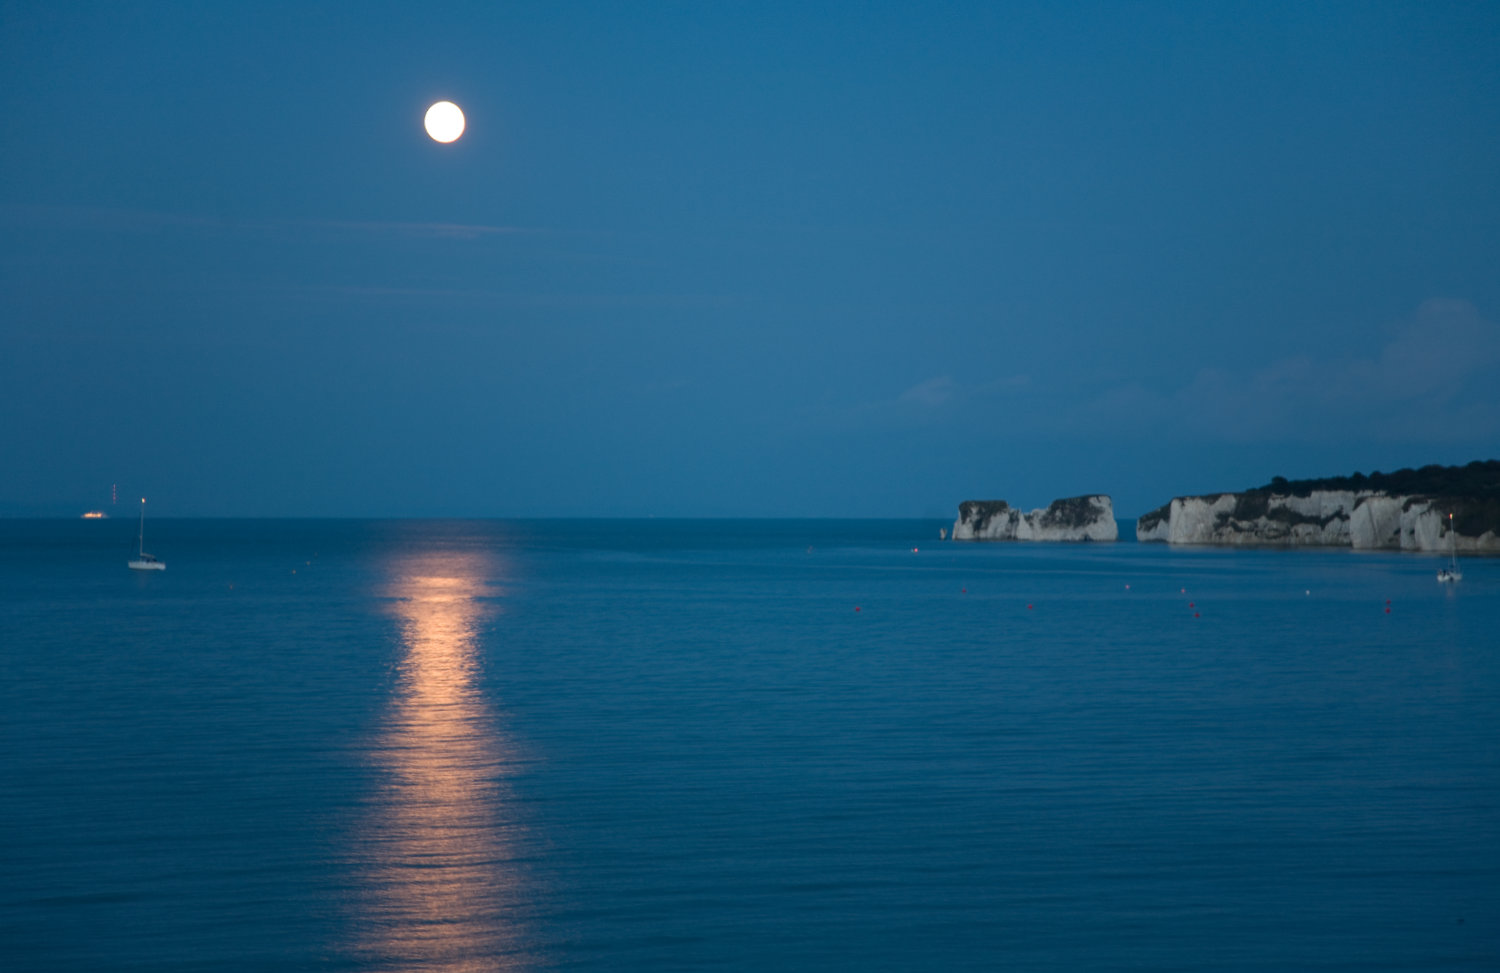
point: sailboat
(144, 561)
(1451, 574)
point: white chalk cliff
(1323, 518)
(1090, 518)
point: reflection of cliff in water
(440, 880)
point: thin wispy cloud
(97, 217)
(944, 392)
(1435, 377)
(938, 400)
(125, 220)
(930, 394)
(446, 231)
(497, 298)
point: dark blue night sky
(739, 259)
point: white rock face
(1192, 519)
(1375, 522)
(1090, 518)
(1420, 527)
(1155, 526)
(1325, 518)
(986, 521)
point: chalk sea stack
(1088, 518)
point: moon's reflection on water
(441, 887)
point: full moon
(444, 121)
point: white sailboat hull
(147, 565)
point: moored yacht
(144, 561)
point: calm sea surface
(654, 745)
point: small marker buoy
(963, 591)
(1183, 590)
(1192, 605)
(1195, 615)
(1028, 607)
(856, 608)
(914, 550)
(1127, 587)
(1307, 592)
(1387, 610)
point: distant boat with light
(144, 561)
(1451, 574)
(95, 515)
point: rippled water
(410, 745)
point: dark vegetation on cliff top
(1480, 478)
(1068, 512)
(1149, 520)
(1253, 506)
(1471, 492)
(982, 508)
(979, 513)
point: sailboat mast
(142, 560)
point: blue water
(409, 745)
